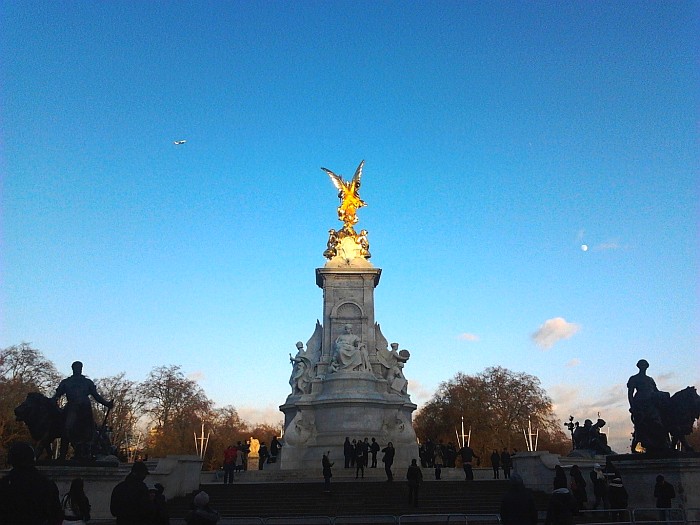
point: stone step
(349, 498)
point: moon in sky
(584, 247)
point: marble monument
(348, 381)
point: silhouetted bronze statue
(656, 414)
(80, 426)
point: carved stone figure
(350, 352)
(254, 451)
(332, 245)
(80, 425)
(349, 195)
(361, 239)
(392, 362)
(646, 404)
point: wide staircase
(351, 498)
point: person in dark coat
(467, 454)
(559, 477)
(27, 497)
(578, 487)
(130, 502)
(495, 463)
(360, 460)
(347, 451)
(506, 463)
(327, 474)
(664, 493)
(618, 500)
(562, 505)
(75, 504)
(389, 451)
(600, 487)
(374, 448)
(518, 504)
(414, 477)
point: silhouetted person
(75, 504)
(374, 448)
(618, 500)
(130, 502)
(159, 510)
(414, 477)
(230, 463)
(518, 504)
(467, 454)
(80, 425)
(327, 473)
(275, 447)
(600, 487)
(578, 487)
(347, 452)
(506, 463)
(438, 461)
(664, 493)
(559, 477)
(562, 504)
(389, 451)
(26, 496)
(202, 514)
(264, 455)
(360, 459)
(495, 463)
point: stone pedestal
(332, 400)
(639, 471)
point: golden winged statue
(349, 195)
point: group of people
(357, 454)
(27, 497)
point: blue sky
(498, 138)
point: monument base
(639, 471)
(354, 405)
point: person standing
(27, 497)
(438, 461)
(275, 447)
(414, 475)
(130, 502)
(578, 487)
(467, 454)
(264, 455)
(229, 463)
(600, 487)
(506, 463)
(347, 452)
(664, 493)
(495, 463)
(360, 460)
(388, 460)
(374, 448)
(75, 504)
(327, 473)
(518, 504)
(618, 500)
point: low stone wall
(178, 474)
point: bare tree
(128, 407)
(496, 405)
(176, 407)
(27, 366)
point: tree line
(160, 415)
(156, 417)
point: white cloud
(419, 394)
(268, 414)
(196, 376)
(553, 331)
(468, 337)
(573, 363)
